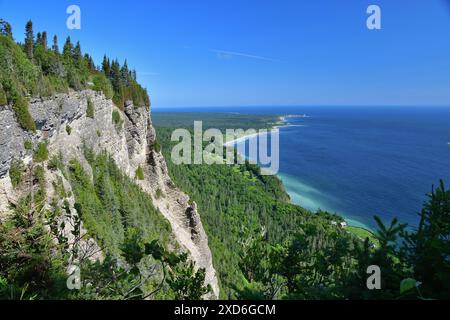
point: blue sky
(255, 52)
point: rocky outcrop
(62, 122)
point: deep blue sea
(361, 161)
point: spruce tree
(38, 38)
(29, 39)
(55, 47)
(106, 67)
(44, 40)
(68, 49)
(90, 62)
(125, 74)
(116, 79)
(5, 28)
(77, 52)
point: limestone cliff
(130, 143)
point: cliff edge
(63, 123)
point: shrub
(117, 119)
(3, 99)
(139, 173)
(90, 108)
(102, 84)
(28, 145)
(41, 153)
(55, 162)
(23, 115)
(68, 129)
(159, 193)
(156, 146)
(16, 172)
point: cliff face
(63, 123)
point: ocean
(361, 161)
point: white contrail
(240, 54)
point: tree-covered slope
(69, 204)
(267, 248)
(36, 69)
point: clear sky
(263, 52)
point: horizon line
(303, 106)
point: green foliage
(18, 75)
(117, 119)
(29, 39)
(266, 248)
(113, 204)
(56, 162)
(24, 118)
(102, 83)
(31, 264)
(124, 84)
(139, 173)
(428, 248)
(37, 70)
(16, 172)
(90, 113)
(3, 99)
(41, 152)
(236, 202)
(156, 146)
(5, 28)
(186, 283)
(159, 194)
(215, 120)
(68, 129)
(28, 145)
(407, 285)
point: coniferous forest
(266, 248)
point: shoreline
(282, 123)
(273, 127)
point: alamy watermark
(74, 279)
(74, 20)
(374, 20)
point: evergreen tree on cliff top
(29, 39)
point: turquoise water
(362, 161)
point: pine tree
(55, 47)
(90, 62)
(38, 38)
(5, 28)
(29, 39)
(68, 48)
(44, 40)
(106, 67)
(77, 52)
(125, 75)
(115, 76)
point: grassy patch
(28, 145)
(117, 120)
(41, 153)
(139, 173)
(23, 115)
(90, 109)
(363, 234)
(16, 172)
